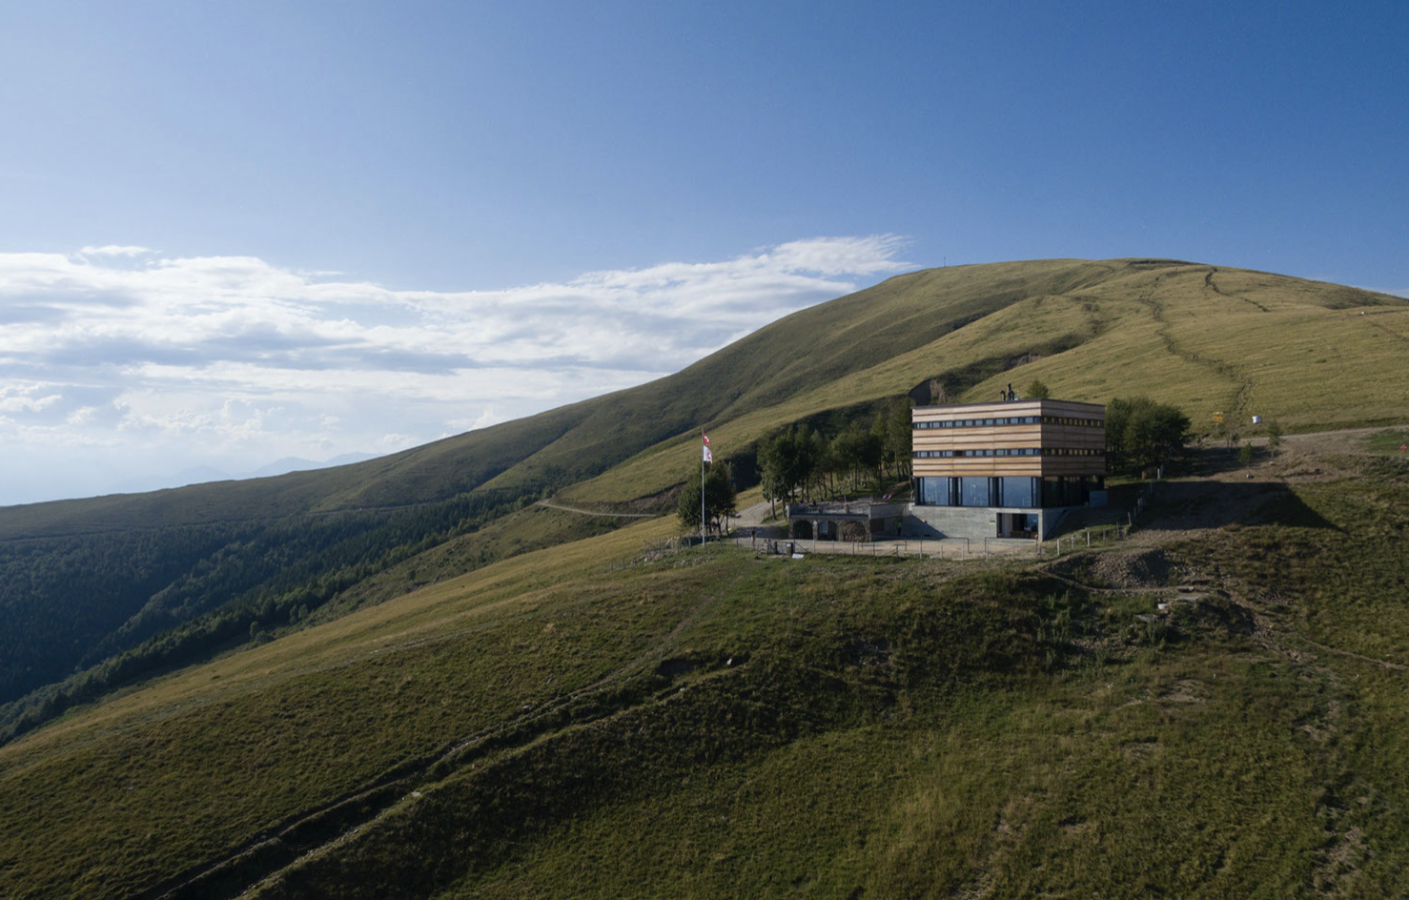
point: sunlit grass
(1307, 361)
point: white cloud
(231, 361)
(31, 398)
(116, 250)
(390, 443)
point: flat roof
(1001, 405)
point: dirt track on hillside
(592, 512)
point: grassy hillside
(1204, 338)
(297, 655)
(219, 562)
(723, 725)
(266, 579)
(212, 565)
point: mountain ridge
(406, 672)
(903, 317)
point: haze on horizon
(233, 235)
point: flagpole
(703, 537)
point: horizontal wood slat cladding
(1049, 435)
(1010, 465)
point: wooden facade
(1038, 438)
(1019, 455)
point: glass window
(1019, 492)
(934, 491)
(974, 492)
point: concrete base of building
(975, 522)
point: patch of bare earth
(1133, 569)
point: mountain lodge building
(1007, 469)
(1010, 469)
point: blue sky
(235, 232)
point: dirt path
(753, 516)
(1348, 440)
(1350, 654)
(547, 504)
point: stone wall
(973, 522)
(950, 522)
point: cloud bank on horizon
(120, 368)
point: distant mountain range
(207, 474)
(200, 474)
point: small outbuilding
(847, 521)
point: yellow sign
(1218, 417)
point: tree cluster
(1141, 433)
(800, 462)
(718, 500)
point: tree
(1141, 433)
(1245, 454)
(770, 467)
(772, 490)
(778, 460)
(899, 431)
(719, 498)
(790, 461)
(819, 458)
(854, 448)
(829, 466)
(1036, 390)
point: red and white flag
(708, 457)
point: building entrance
(1017, 525)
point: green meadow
(723, 724)
(408, 678)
